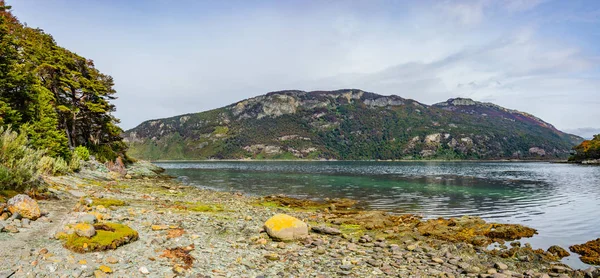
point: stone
(284, 227)
(25, 222)
(411, 247)
(558, 251)
(88, 218)
(144, 270)
(112, 260)
(105, 269)
(326, 230)
(84, 230)
(272, 257)
(11, 229)
(437, 260)
(25, 206)
(501, 266)
(160, 227)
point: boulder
(25, 206)
(285, 227)
(85, 230)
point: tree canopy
(54, 95)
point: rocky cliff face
(349, 124)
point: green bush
(21, 167)
(83, 153)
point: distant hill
(588, 150)
(349, 124)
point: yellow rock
(105, 269)
(160, 227)
(25, 206)
(82, 262)
(285, 227)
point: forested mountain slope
(349, 124)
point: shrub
(83, 153)
(21, 166)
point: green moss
(204, 208)
(108, 202)
(7, 194)
(108, 236)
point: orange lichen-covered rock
(285, 227)
(25, 206)
(589, 251)
(473, 230)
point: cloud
(585, 132)
(202, 55)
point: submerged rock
(285, 227)
(25, 206)
(589, 251)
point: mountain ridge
(349, 124)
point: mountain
(349, 124)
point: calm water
(562, 201)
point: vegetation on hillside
(588, 149)
(56, 97)
(348, 125)
(55, 108)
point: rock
(558, 251)
(4, 216)
(144, 270)
(25, 206)
(25, 222)
(160, 227)
(346, 267)
(85, 230)
(272, 257)
(559, 269)
(105, 269)
(501, 266)
(411, 247)
(375, 263)
(285, 227)
(11, 229)
(589, 251)
(88, 218)
(437, 260)
(112, 260)
(326, 230)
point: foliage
(588, 149)
(82, 152)
(56, 97)
(21, 166)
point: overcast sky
(175, 57)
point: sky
(175, 57)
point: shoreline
(224, 232)
(333, 160)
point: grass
(108, 236)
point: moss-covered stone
(108, 236)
